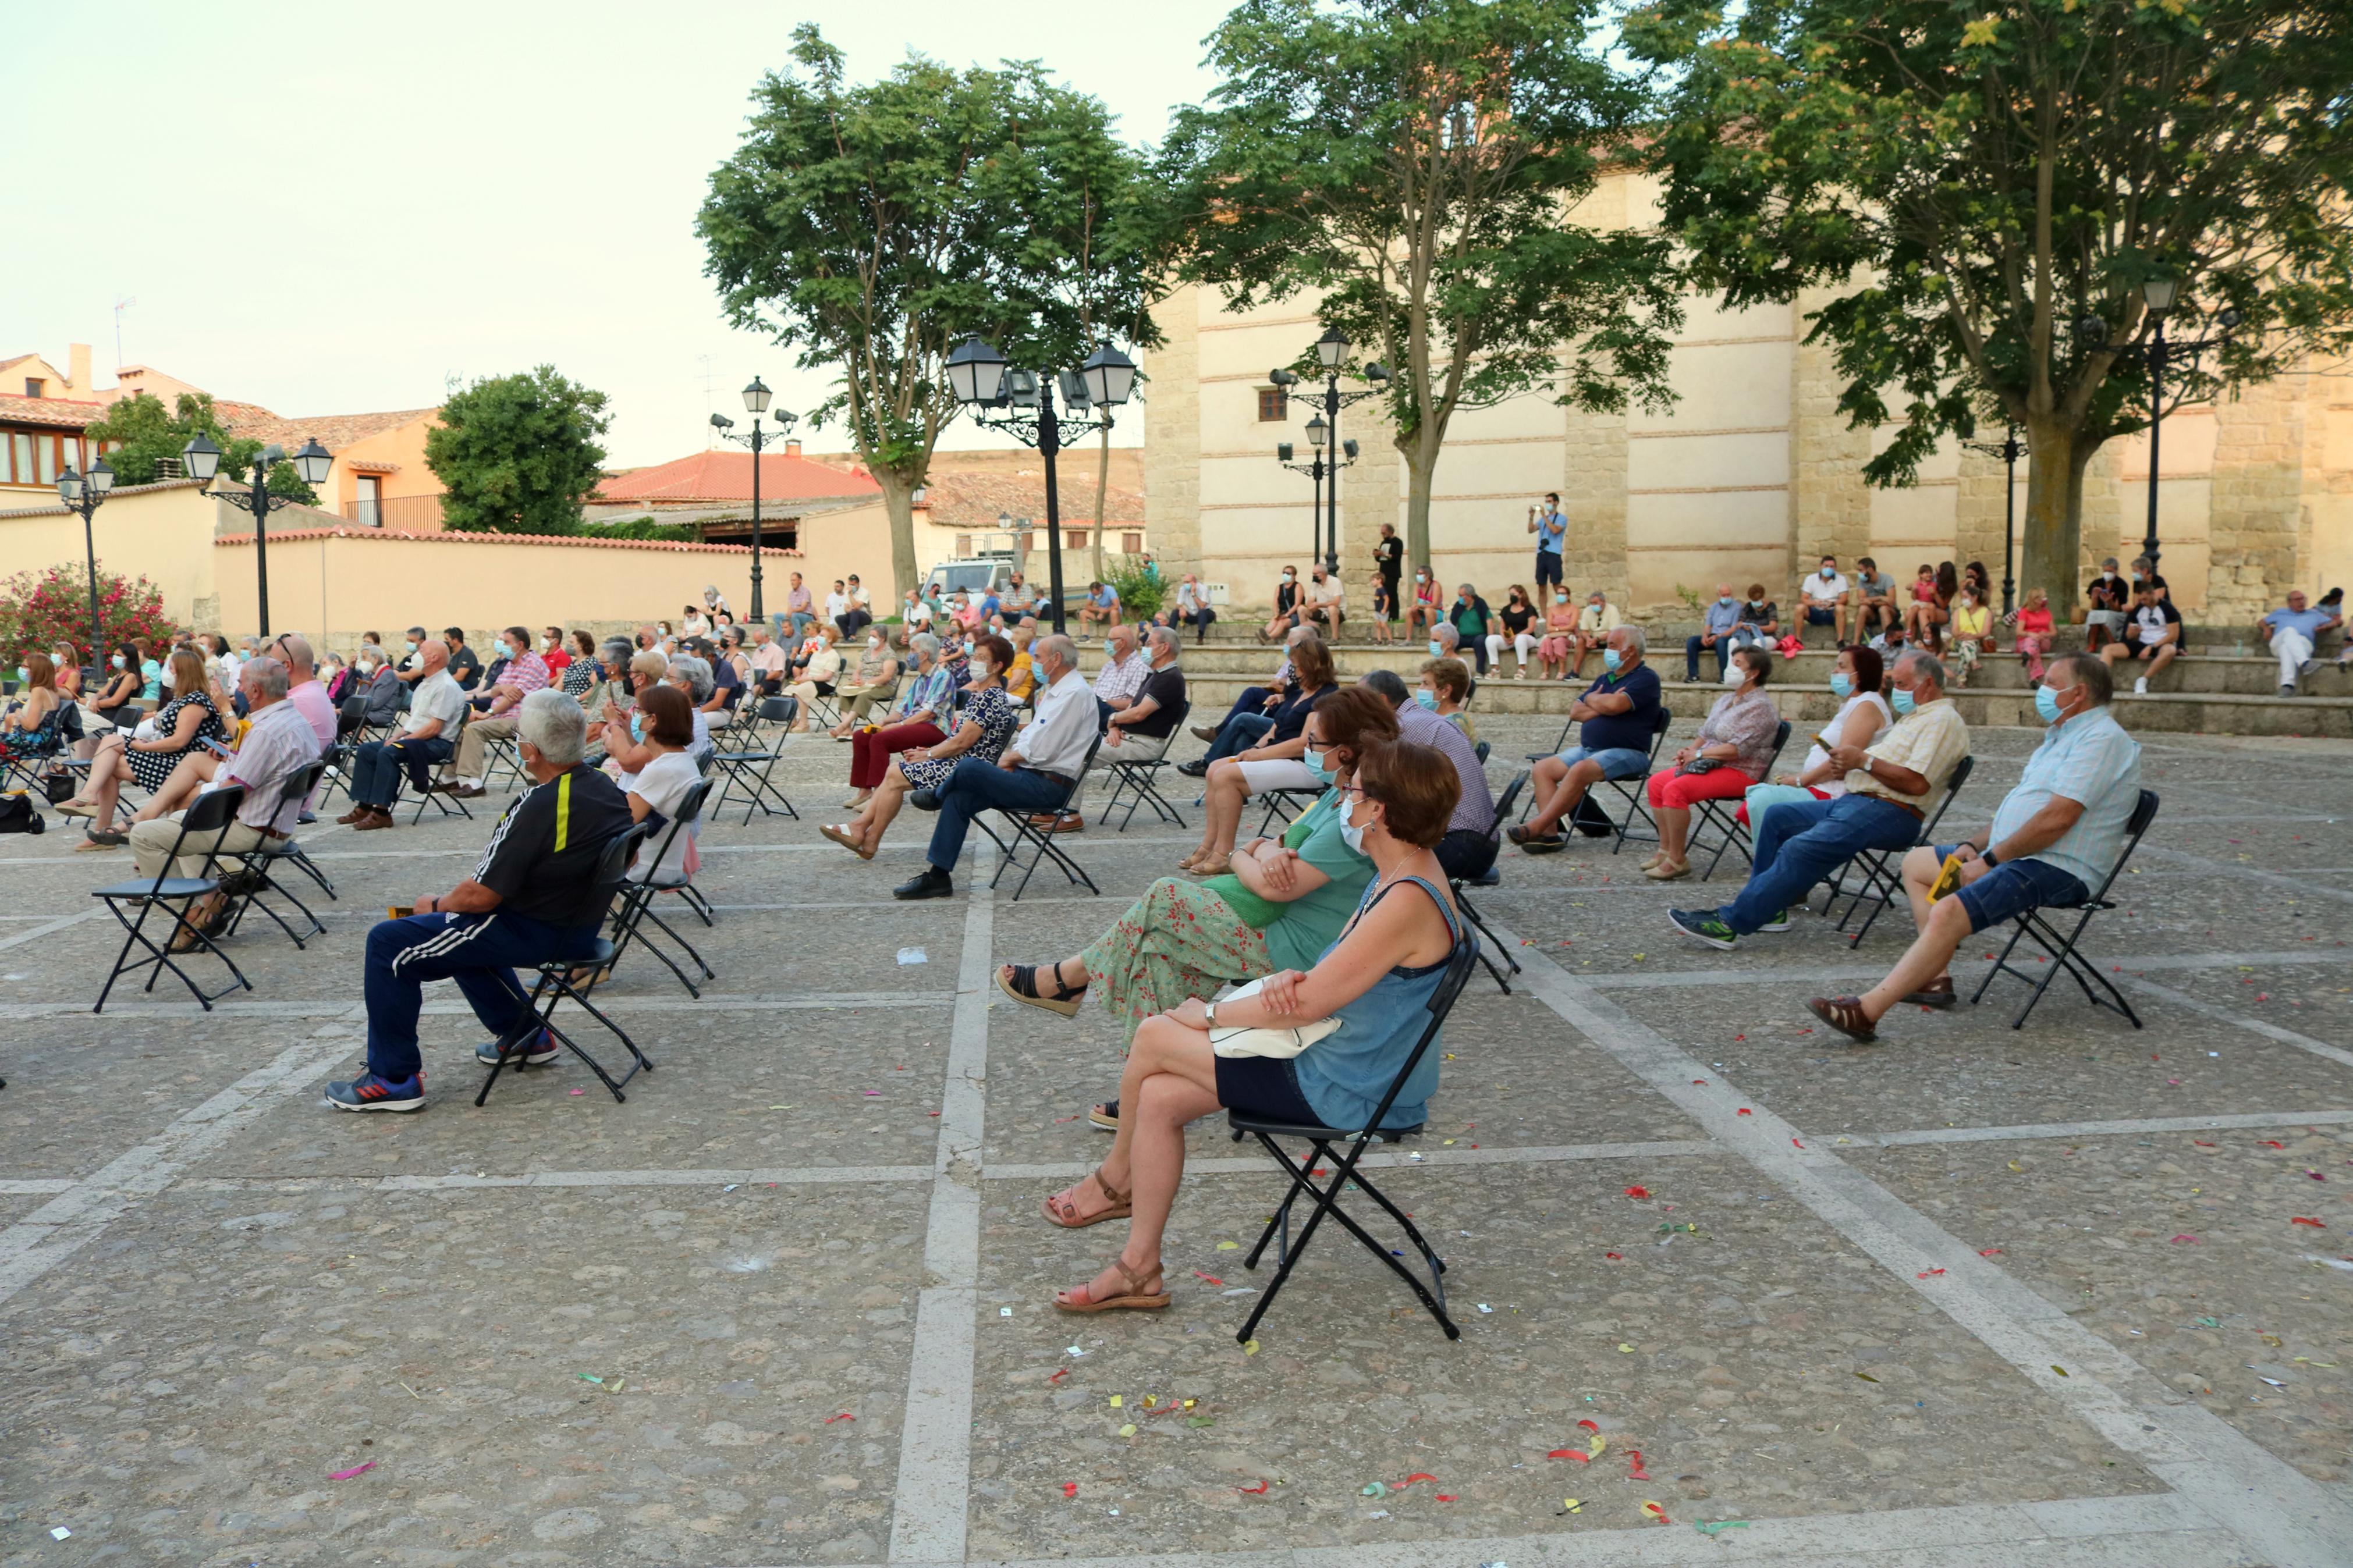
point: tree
(144, 435)
(1414, 162)
(870, 228)
(40, 609)
(518, 454)
(1975, 178)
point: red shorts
(1677, 791)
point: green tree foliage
(1972, 178)
(518, 454)
(872, 226)
(1413, 164)
(40, 609)
(148, 433)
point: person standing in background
(1551, 529)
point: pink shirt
(525, 675)
(311, 700)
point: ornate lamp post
(1021, 403)
(1332, 353)
(2092, 335)
(86, 496)
(1316, 468)
(2009, 450)
(755, 402)
(202, 459)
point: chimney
(77, 377)
(792, 446)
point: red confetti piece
(1744, 1111)
(2307, 1219)
(2199, 1142)
(1448, 1497)
(355, 1469)
(1590, 1427)
(1613, 1256)
(1699, 1082)
(1655, 1512)
(1070, 1488)
(845, 1416)
(1059, 1120)
(1258, 1490)
(1638, 1474)
(1579, 1455)
(2263, 996)
(1739, 1037)
(1211, 1278)
(2273, 1143)
(2315, 1176)
(1987, 1252)
(1795, 1144)
(2180, 1239)
(1638, 1192)
(1925, 1273)
(1059, 1374)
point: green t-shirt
(1298, 933)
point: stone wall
(1172, 435)
(2258, 517)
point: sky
(329, 209)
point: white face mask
(1352, 833)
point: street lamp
(86, 496)
(2158, 352)
(755, 402)
(1317, 468)
(1023, 404)
(200, 459)
(1332, 353)
(2009, 450)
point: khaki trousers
(152, 841)
(474, 745)
(861, 699)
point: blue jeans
(1251, 701)
(2015, 886)
(977, 786)
(1692, 646)
(1803, 841)
(376, 768)
(1617, 762)
(1239, 733)
(479, 951)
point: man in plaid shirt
(524, 673)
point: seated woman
(30, 727)
(1519, 628)
(1759, 622)
(1863, 717)
(1932, 597)
(1273, 730)
(189, 718)
(1560, 636)
(817, 675)
(876, 681)
(1287, 607)
(1725, 758)
(985, 726)
(925, 699)
(1377, 978)
(1445, 690)
(1277, 760)
(1421, 609)
(665, 769)
(117, 699)
(1283, 904)
(2033, 620)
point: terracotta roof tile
(727, 477)
(445, 537)
(60, 508)
(60, 412)
(976, 499)
(333, 431)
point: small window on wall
(33, 386)
(45, 447)
(964, 545)
(1273, 404)
(1074, 538)
(21, 445)
(1131, 543)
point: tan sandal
(1122, 1203)
(1137, 1299)
(1668, 870)
(1215, 866)
(839, 832)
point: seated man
(1327, 601)
(2291, 634)
(435, 711)
(1619, 712)
(1714, 634)
(521, 673)
(1468, 846)
(1138, 728)
(2152, 637)
(1888, 789)
(859, 613)
(1034, 773)
(1102, 605)
(529, 901)
(1824, 598)
(1259, 700)
(2109, 597)
(1874, 600)
(278, 743)
(2056, 836)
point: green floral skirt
(1179, 939)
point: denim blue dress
(1345, 1074)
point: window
(45, 447)
(35, 386)
(368, 508)
(964, 545)
(1074, 538)
(23, 445)
(1131, 543)
(1273, 404)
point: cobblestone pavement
(1972, 1295)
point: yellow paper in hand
(1949, 878)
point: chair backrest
(613, 868)
(302, 781)
(1480, 751)
(350, 718)
(2143, 813)
(777, 708)
(1458, 966)
(1511, 799)
(211, 812)
(1953, 783)
(689, 806)
(1660, 722)
(1781, 740)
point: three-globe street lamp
(86, 495)
(1317, 468)
(1332, 352)
(2092, 336)
(2009, 449)
(201, 460)
(1022, 401)
(755, 402)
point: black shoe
(307, 819)
(1194, 770)
(924, 799)
(934, 883)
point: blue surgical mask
(2046, 704)
(1725, 599)
(409, 646)
(1904, 701)
(1427, 697)
(1841, 685)
(967, 647)
(1111, 650)
(1437, 649)
(119, 661)
(1315, 761)
(638, 728)
(1609, 659)
(1351, 834)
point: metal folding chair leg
(1344, 1170)
(540, 1014)
(1469, 912)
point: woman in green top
(1280, 907)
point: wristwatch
(1209, 1015)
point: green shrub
(1139, 593)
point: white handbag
(1252, 1041)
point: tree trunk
(1103, 488)
(899, 504)
(2051, 534)
(1420, 464)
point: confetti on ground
(1866, 1377)
(1925, 1273)
(2180, 1239)
(845, 1415)
(1744, 1111)
(1590, 1425)
(1258, 1490)
(1371, 1489)
(1719, 1526)
(1229, 1247)
(60, 1533)
(1613, 1257)
(1572, 1505)
(1069, 1488)
(1597, 1446)
(2307, 1219)
(1987, 1252)
(1625, 1349)
(1250, 1347)
(1653, 1510)
(2059, 1369)
(1579, 1455)
(1638, 1192)
(343, 1475)
(587, 1377)
(1448, 1497)
(1128, 1430)
(1059, 1374)
(579, 1091)
(2273, 1143)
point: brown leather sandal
(1137, 1299)
(1122, 1204)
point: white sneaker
(2140, 687)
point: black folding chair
(253, 877)
(664, 875)
(1630, 791)
(1879, 873)
(1286, 803)
(1136, 779)
(1344, 1172)
(555, 983)
(2062, 946)
(448, 804)
(1493, 876)
(750, 767)
(1041, 846)
(503, 755)
(177, 895)
(351, 723)
(1719, 815)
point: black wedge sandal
(1022, 986)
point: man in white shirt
(1034, 774)
(1827, 600)
(428, 737)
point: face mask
(1351, 835)
(1111, 650)
(1290, 576)
(23, 675)
(1437, 649)
(409, 646)
(638, 728)
(1725, 599)
(1826, 574)
(2107, 577)
(1427, 697)
(967, 647)
(1315, 761)
(119, 662)
(1609, 659)
(1902, 700)
(1841, 685)
(367, 667)
(1422, 577)
(2046, 704)
(1736, 674)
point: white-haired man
(528, 901)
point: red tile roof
(454, 538)
(60, 510)
(333, 431)
(976, 499)
(727, 477)
(62, 412)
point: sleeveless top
(1343, 1075)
